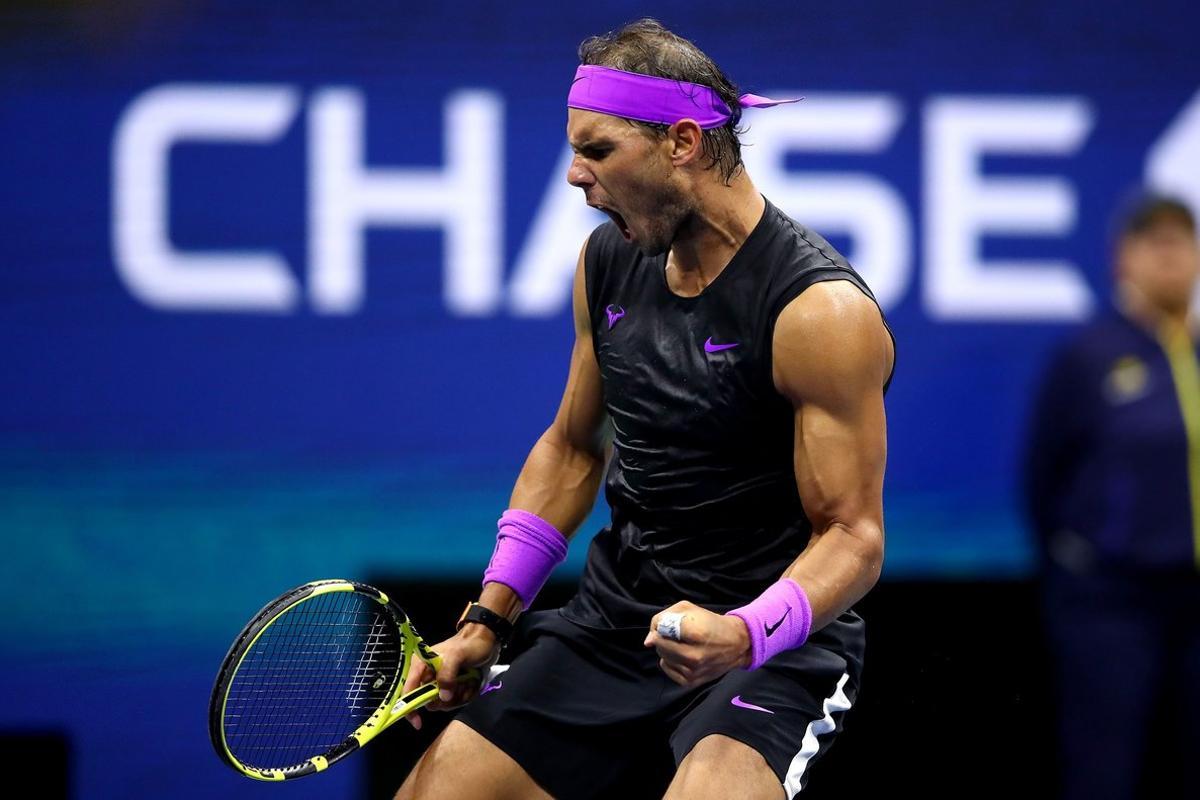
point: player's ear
(686, 140)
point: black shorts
(588, 712)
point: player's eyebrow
(591, 144)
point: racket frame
(394, 708)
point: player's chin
(652, 246)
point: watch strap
(494, 622)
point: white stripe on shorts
(495, 671)
(808, 748)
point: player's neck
(724, 218)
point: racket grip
(466, 675)
(426, 693)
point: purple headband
(650, 99)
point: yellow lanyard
(1185, 372)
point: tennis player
(712, 649)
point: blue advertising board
(287, 286)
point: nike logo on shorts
(740, 703)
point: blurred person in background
(1112, 484)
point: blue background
(163, 474)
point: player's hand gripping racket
(314, 676)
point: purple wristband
(778, 619)
(527, 550)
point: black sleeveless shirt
(701, 481)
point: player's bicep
(580, 418)
(839, 461)
(832, 357)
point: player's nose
(579, 175)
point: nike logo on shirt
(709, 347)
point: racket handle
(426, 693)
(466, 675)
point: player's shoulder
(796, 246)
(828, 307)
(833, 332)
(823, 309)
(831, 341)
(797, 259)
(810, 278)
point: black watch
(487, 618)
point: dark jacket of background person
(1107, 479)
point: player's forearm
(559, 482)
(839, 566)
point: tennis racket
(314, 676)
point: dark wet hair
(648, 48)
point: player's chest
(696, 360)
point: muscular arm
(558, 483)
(561, 475)
(831, 357)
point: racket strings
(366, 669)
(312, 678)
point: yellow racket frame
(393, 709)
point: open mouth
(618, 220)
